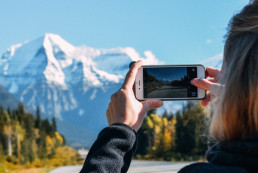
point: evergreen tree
(179, 133)
(21, 109)
(38, 119)
(47, 127)
(143, 140)
(54, 124)
(153, 111)
(2, 135)
(28, 146)
(165, 114)
(25, 138)
(1, 110)
(170, 116)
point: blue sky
(177, 32)
(167, 73)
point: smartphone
(169, 82)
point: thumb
(151, 104)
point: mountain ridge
(74, 84)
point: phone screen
(169, 82)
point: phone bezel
(139, 85)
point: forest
(174, 137)
(28, 141)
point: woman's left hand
(125, 108)
(208, 84)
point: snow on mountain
(71, 83)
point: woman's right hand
(125, 108)
(207, 84)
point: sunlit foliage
(31, 141)
(173, 137)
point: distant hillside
(7, 99)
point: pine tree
(38, 119)
(54, 124)
(21, 109)
(28, 145)
(165, 114)
(179, 133)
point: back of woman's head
(236, 109)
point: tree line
(26, 139)
(177, 137)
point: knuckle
(123, 92)
(152, 105)
(126, 88)
(203, 82)
(197, 82)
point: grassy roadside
(64, 156)
(32, 170)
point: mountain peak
(51, 35)
(72, 83)
(53, 60)
(57, 43)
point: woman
(234, 97)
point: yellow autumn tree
(49, 145)
(19, 132)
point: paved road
(167, 92)
(136, 167)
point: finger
(151, 104)
(207, 100)
(211, 80)
(130, 76)
(212, 72)
(202, 83)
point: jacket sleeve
(112, 151)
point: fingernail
(159, 103)
(195, 81)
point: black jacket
(115, 145)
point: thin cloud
(208, 41)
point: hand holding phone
(124, 108)
(208, 84)
(169, 82)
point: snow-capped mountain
(71, 83)
(74, 84)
